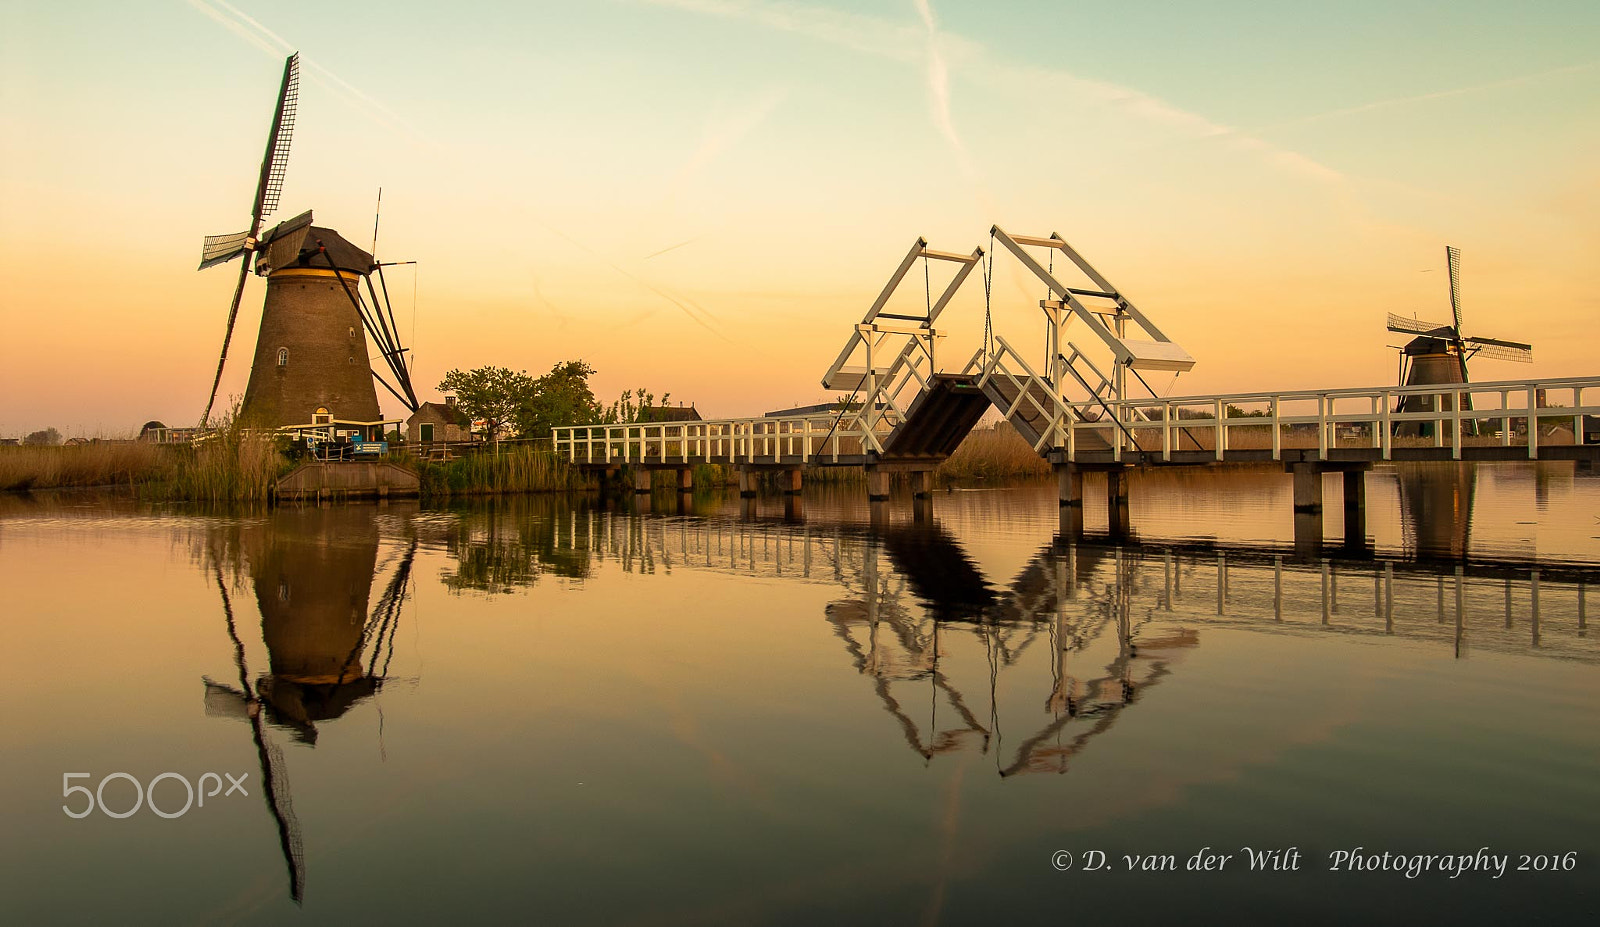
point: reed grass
(513, 468)
(996, 453)
(79, 466)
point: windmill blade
(1452, 257)
(1399, 323)
(1495, 349)
(220, 249)
(270, 184)
(275, 163)
(227, 337)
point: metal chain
(988, 289)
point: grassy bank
(236, 467)
(514, 468)
(232, 467)
(998, 453)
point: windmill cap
(298, 243)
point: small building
(438, 421)
(155, 432)
(669, 414)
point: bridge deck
(1468, 422)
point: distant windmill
(1439, 353)
(311, 362)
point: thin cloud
(939, 89)
(684, 305)
(724, 132)
(907, 43)
(1436, 95)
(244, 26)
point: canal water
(693, 710)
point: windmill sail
(219, 249)
(1452, 257)
(1399, 323)
(1495, 349)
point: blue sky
(703, 195)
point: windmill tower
(1439, 354)
(311, 361)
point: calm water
(578, 711)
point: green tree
(493, 394)
(633, 406)
(47, 436)
(559, 399)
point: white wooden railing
(1331, 419)
(1299, 420)
(817, 438)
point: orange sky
(587, 183)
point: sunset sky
(702, 196)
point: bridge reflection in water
(1087, 628)
(1029, 669)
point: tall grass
(996, 453)
(84, 465)
(233, 466)
(513, 468)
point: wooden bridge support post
(921, 497)
(877, 484)
(685, 479)
(641, 480)
(1069, 485)
(1355, 509)
(793, 510)
(748, 479)
(1307, 487)
(1117, 502)
(1069, 495)
(1307, 510)
(792, 481)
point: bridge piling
(1307, 487)
(1069, 485)
(1118, 520)
(1355, 509)
(685, 479)
(748, 478)
(641, 480)
(792, 481)
(877, 484)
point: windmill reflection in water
(312, 572)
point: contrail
(1436, 95)
(642, 282)
(686, 241)
(243, 25)
(939, 87)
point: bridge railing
(1455, 416)
(804, 439)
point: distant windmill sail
(1405, 326)
(1495, 349)
(1438, 355)
(1452, 257)
(219, 249)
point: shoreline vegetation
(237, 467)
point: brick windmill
(311, 363)
(1439, 354)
